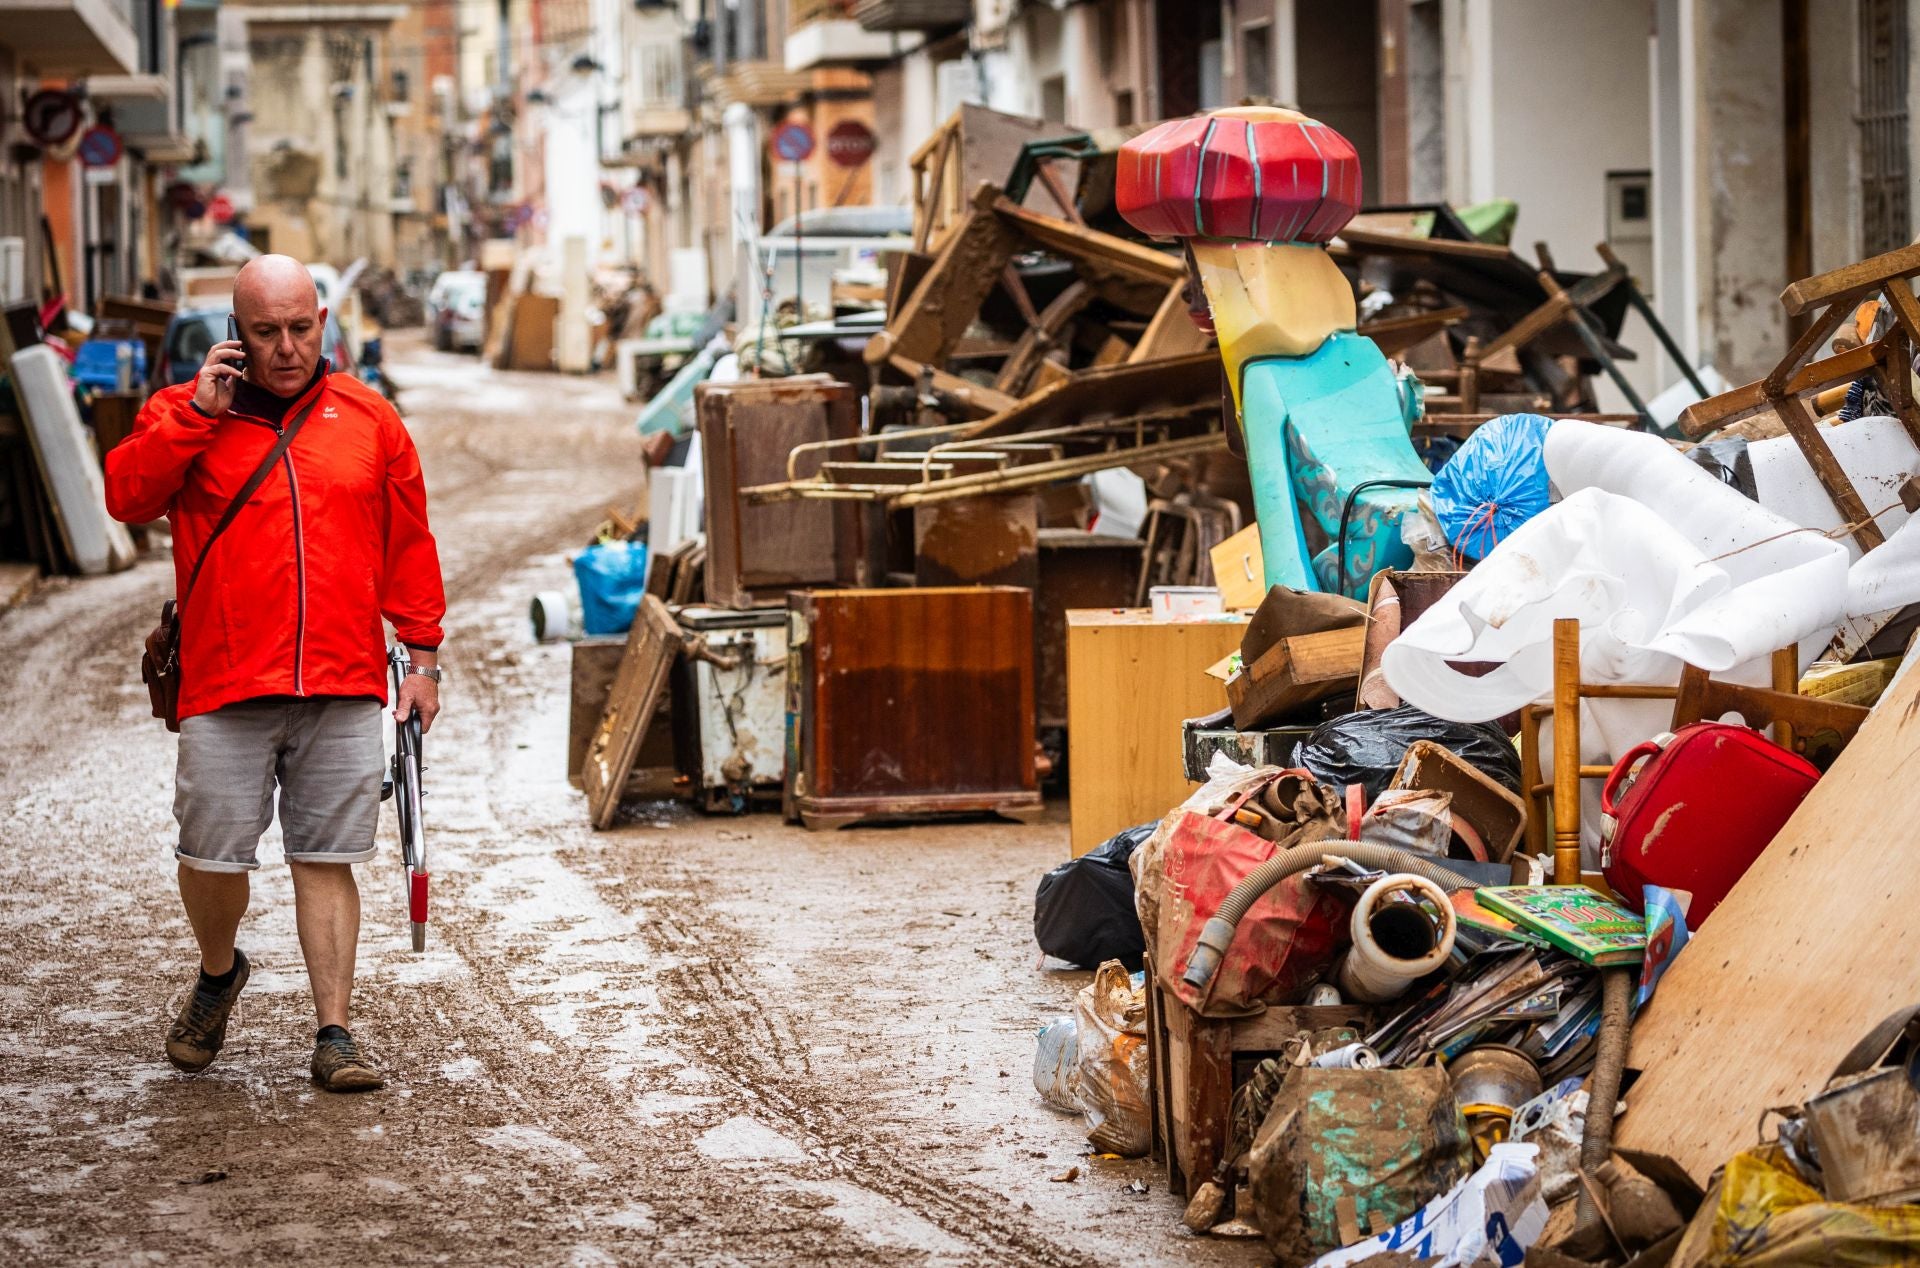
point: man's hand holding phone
(225, 364)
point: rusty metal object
(1491, 1082)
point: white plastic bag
(1489, 1219)
(1056, 1064)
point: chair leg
(1566, 752)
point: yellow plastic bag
(1761, 1214)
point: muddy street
(689, 1039)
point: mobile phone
(233, 333)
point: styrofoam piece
(97, 542)
(1120, 501)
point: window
(1885, 219)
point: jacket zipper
(300, 576)
(299, 560)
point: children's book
(1574, 919)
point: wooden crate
(912, 702)
(1196, 1064)
(1131, 682)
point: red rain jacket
(291, 597)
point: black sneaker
(339, 1067)
(197, 1033)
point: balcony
(659, 120)
(823, 33)
(757, 84)
(912, 15)
(143, 113)
(60, 38)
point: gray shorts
(326, 757)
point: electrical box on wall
(1630, 224)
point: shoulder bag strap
(248, 489)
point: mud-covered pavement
(687, 1040)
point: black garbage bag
(1083, 912)
(1365, 748)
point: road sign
(100, 147)
(51, 116)
(850, 143)
(793, 141)
(637, 199)
(220, 207)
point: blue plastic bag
(1494, 484)
(612, 577)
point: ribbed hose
(1603, 1088)
(1217, 934)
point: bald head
(280, 319)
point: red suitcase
(1697, 814)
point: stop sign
(850, 143)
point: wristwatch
(425, 672)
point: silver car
(457, 310)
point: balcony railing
(912, 15)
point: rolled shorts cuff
(333, 856)
(215, 865)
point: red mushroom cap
(1262, 175)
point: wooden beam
(948, 298)
(1850, 281)
(1738, 403)
(1171, 333)
(978, 397)
(1803, 349)
(1079, 243)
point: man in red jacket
(282, 650)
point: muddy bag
(1343, 1150)
(1083, 912)
(1365, 748)
(1110, 1014)
(1287, 938)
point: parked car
(194, 330)
(457, 310)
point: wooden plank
(979, 400)
(1744, 402)
(1397, 334)
(1171, 333)
(1295, 671)
(1131, 682)
(1802, 349)
(652, 645)
(1109, 392)
(1802, 958)
(948, 298)
(1849, 281)
(1117, 254)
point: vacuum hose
(1217, 934)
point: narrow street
(689, 1039)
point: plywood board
(652, 645)
(1131, 682)
(1807, 953)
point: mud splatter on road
(688, 1039)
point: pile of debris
(1190, 475)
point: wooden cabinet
(1131, 682)
(905, 703)
(755, 554)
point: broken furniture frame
(1697, 696)
(1829, 299)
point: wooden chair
(1829, 299)
(1698, 696)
